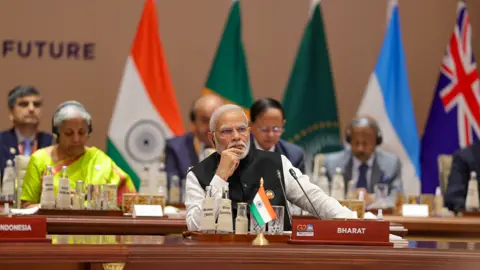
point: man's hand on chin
(229, 160)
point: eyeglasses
(276, 130)
(227, 132)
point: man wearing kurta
(72, 124)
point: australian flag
(454, 119)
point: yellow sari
(92, 166)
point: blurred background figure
(364, 163)
(184, 151)
(465, 162)
(24, 138)
(72, 125)
(267, 121)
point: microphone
(285, 197)
(294, 175)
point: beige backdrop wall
(190, 31)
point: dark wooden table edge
(33, 253)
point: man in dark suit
(183, 152)
(267, 121)
(24, 138)
(464, 162)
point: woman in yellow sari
(72, 124)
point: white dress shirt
(257, 145)
(204, 153)
(356, 170)
(326, 206)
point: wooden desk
(83, 225)
(114, 225)
(432, 228)
(159, 252)
(439, 227)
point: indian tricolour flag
(261, 208)
(146, 111)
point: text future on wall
(44, 49)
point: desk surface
(459, 227)
(114, 225)
(152, 252)
(436, 227)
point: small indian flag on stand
(261, 208)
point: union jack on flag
(454, 120)
(462, 91)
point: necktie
(362, 177)
(27, 147)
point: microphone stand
(294, 175)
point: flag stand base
(260, 240)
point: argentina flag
(387, 98)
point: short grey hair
(69, 110)
(20, 91)
(223, 109)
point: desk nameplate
(23, 229)
(340, 232)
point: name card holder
(415, 210)
(308, 230)
(147, 211)
(23, 229)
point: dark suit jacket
(180, 155)
(8, 140)
(464, 161)
(293, 152)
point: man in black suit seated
(464, 162)
(185, 151)
(24, 138)
(267, 121)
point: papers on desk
(171, 210)
(398, 242)
(24, 211)
(369, 215)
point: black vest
(245, 181)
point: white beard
(246, 147)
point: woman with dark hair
(268, 119)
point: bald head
(208, 101)
(202, 110)
(370, 118)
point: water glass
(254, 227)
(381, 191)
(276, 226)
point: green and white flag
(309, 101)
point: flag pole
(260, 240)
(313, 3)
(391, 5)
